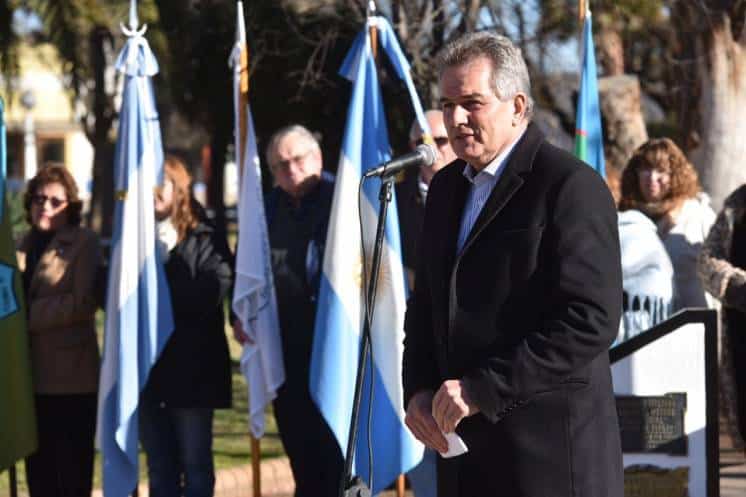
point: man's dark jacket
(524, 315)
(410, 207)
(194, 368)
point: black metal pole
(712, 426)
(349, 486)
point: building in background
(57, 135)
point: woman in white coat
(660, 182)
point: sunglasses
(440, 141)
(55, 202)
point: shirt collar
(494, 168)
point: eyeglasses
(650, 172)
(55, 202)
(440, 141)
(296, 159)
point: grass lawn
(231, 443)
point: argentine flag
(339, 319)
(139, 320)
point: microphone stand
(349, 486)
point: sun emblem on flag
(384, 271)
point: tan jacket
(62, 304)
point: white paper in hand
(456, 446)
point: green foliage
(17, 214)
(633, 15)
(8, 39)
(558, 18)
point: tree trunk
(218, 147)
(721, 68)
(624, 127)
(611, 52)
(101, 214)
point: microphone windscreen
(428, 154)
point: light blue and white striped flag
(339, 318)
(139, 319)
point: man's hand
(421, 423)
(239, 334)
(451, 404)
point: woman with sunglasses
(59, 260)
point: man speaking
(518, 297)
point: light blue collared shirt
(482, 184)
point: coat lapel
(519, 163)
(458, 193)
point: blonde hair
(184, 213)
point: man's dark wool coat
(524, 314)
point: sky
(563, 57)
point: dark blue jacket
(297, 237)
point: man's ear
(520, 104)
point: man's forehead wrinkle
(462, 97)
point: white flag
(254, 299)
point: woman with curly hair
(59, 260)
(176, 409)
(660, 182)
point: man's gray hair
(509, 71)
(291, 129)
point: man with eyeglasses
(411, 193)
(297, 210)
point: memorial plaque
(653, 424)
(652, 481)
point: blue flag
(589, 140)
(340, 308)
(139, 320)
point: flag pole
(243, 116)
(581, 20)
(256, 467)
(13, 481)
(373, 30)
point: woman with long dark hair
(192, 377)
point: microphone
(423, 155)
